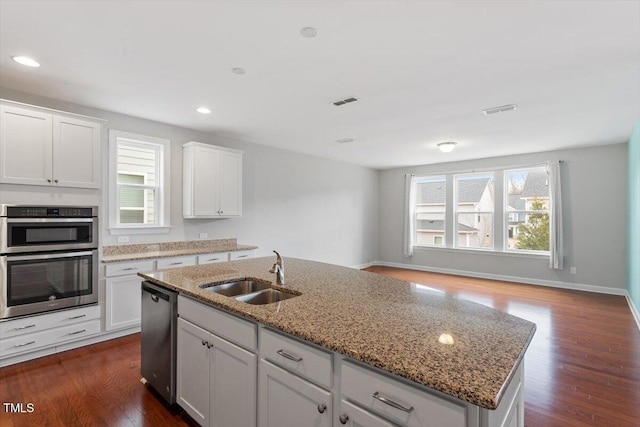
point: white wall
(300, 205)
(594, 204)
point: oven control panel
(50, 212)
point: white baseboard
(505, 278)
(361, 266)
(634, 310)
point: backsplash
(215, 245)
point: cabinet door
(123, 303)
(352, 416)
(76, 153)
(230, 179)
(233, 385)
(286, 400)
(25, 146)
(205, 182)
(192, 371)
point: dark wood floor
(582, 368)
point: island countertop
(378, 320)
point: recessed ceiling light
(203, 110)
(344, 140)
(238, 70)
(25, 60)
(447, 147)
(309, 32)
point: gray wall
(594, 189)
(301, 205)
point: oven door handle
(47, 256)
(46, 220)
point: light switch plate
(123, 239)
(204, 236)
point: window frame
(526, 212)
(162, 189)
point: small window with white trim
(138, 182)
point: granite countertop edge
(168, 253)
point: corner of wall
(633, 274)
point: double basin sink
(251, 291)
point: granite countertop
(119, 253)
(381, 321)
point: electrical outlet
(204, 236)
(123, 239)
(573, 270)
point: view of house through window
(473, 215)
(527, 199)
(474, 210)
(137, 179)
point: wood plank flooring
(582, 368)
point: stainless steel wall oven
(48, 258)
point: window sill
(139, 230)
(532, 255)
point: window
(474, 208)
(527, 209)
(430, 212)
(138, 182)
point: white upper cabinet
(39, 147)
(212, 181)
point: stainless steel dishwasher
(159, 327)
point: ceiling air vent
(345, 101)
(500, 109)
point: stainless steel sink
(238, 287)
(267, 296)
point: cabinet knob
(343, 419)
(55, 180)
(48, 180)
(204, 342)
(321, 408)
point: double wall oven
(48, 258)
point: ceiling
(422, 71)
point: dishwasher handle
(156, 294)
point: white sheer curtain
(409, 213)
(556, 260)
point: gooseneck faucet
(278, 268)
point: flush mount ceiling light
(500, 109)
(25, 60)
(309, 32)
(447, 147)
(238, 70)
(203, 110)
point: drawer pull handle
(77, 332)
(24, 327)
(289, 356)
(344, 419)
(242, 256)
(177, 263)
(391, 403)
(129, 268)
(78, 317)
(213, 259)
(27, 343)
(321, 408)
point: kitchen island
(457, 351)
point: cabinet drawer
(213, 258)
(181, 261)
(135, 267)
(227, 326)
(387, 397)
(41, 322)
(241, 254)
(49, 337)
(302, 359)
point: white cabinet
(286, 400)
(212, 181)
(241, 254)
(216, 380)
(352, 416)
(174, 262)
(38, 147)
(213, 258)
(123, 301)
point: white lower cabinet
(123, 302)
(216, 380)
(286, 400)
(352, 416)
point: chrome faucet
(278, 268)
